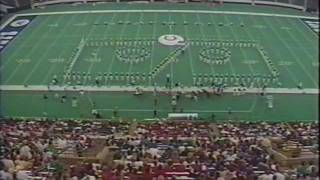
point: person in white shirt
(8, 164)
(154, 152)
(25, 151)
(279, 176)
(40, 145)
(266, 176)
(22, 175)
(62, 143)
(138, 163)
(4, 175)
(87, 177)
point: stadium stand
(10, 6)
(162, 150)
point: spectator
(4, 174)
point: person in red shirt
(108, 174)
(159, 171)
(147, 173)
(133, 175)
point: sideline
(156, 11)
(169, 11)
(36, 88)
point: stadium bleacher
(163, 150)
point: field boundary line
(163, 110)
(45, 88)
(6, 22)
(169, 11)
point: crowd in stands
(157, 150)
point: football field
(130, 63)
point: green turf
(45, 47)
(248, 108)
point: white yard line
(189, 50)
(171, 63)
(170, 11)
(12, 74)
(114, 56)
(200, 26)
(158, 11)
(279, 55)
(293, 54)
(91, 63)
(19, 46)
(303, 47)
(154, 29)
(53, 67)
(311, 31)
(106, 32)
(219, 36)
(244, 54)
(204, 37)
(253, 104)
(295, 24)
(26, 56)
(44, 54)
(136, 35)
(91, 66)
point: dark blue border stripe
(313, 24)
(9, 32)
